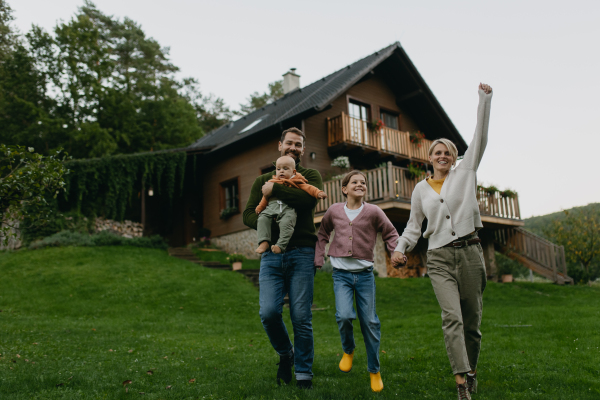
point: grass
(65, 309)
(221, 256)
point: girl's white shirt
(348, 263)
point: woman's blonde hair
(448, 143)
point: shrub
(579, 275)
(104, 238)
(236, 258)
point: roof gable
(320, 94)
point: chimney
(291, 81)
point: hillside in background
(540, 223)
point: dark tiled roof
(318, 95)
(314, 96)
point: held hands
(398, 260)
(486, 88)
(322, 195)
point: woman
(356, 225)
(455, 258)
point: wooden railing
(392, 183)
(535, 252)
(346, 129)
(497, 205)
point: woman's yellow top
(436, 184)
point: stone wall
(13, 242)
(127, 229)
(242, 242)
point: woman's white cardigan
(454, 212)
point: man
(291, 272)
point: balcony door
(359, 116)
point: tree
(579, 233)
(257, 100)
(26, 180)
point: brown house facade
(336, 113)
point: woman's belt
(463, 243)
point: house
(336, 113)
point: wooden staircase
(534, 252)
(184, 253)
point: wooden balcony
(391, 183)
(345, 129)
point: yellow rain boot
(346, 362)
(376, 382)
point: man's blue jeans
(346, 285)
(292, 272)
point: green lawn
(88, 319)
(221, 257)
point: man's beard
(293, 154)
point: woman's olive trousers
(458, 277)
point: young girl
(356, 225)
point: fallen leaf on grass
(150, 372)
(33, 362)
(70, 378)
(165, 357)
(110, 350)
(127, 382)
(197, 358)
(142, 393)
(181, 308)
(93, 329)
(251, 345)
(60, 384)
(338, 354)
(169, 387)
(383, 351)
(35, 343)
(412, 358)
(192, 380)
(130, 351)
(18, 356)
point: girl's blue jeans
(346, 286)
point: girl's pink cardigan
(357, 238)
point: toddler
(269, 208)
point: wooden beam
(488, 219)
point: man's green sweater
(305, 233)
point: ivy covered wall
(107, 186)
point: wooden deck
(346, 129)
(391, 184)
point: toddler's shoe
(346, 362)
(376, 382)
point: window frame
(358, 101)
(222, 195)
(390, 112)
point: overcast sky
(541, 58)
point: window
(358, 111)
(390, 120)
(230, 194)
(359, 116)
(252, 125)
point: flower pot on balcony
(236, 266)
(507, 278)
